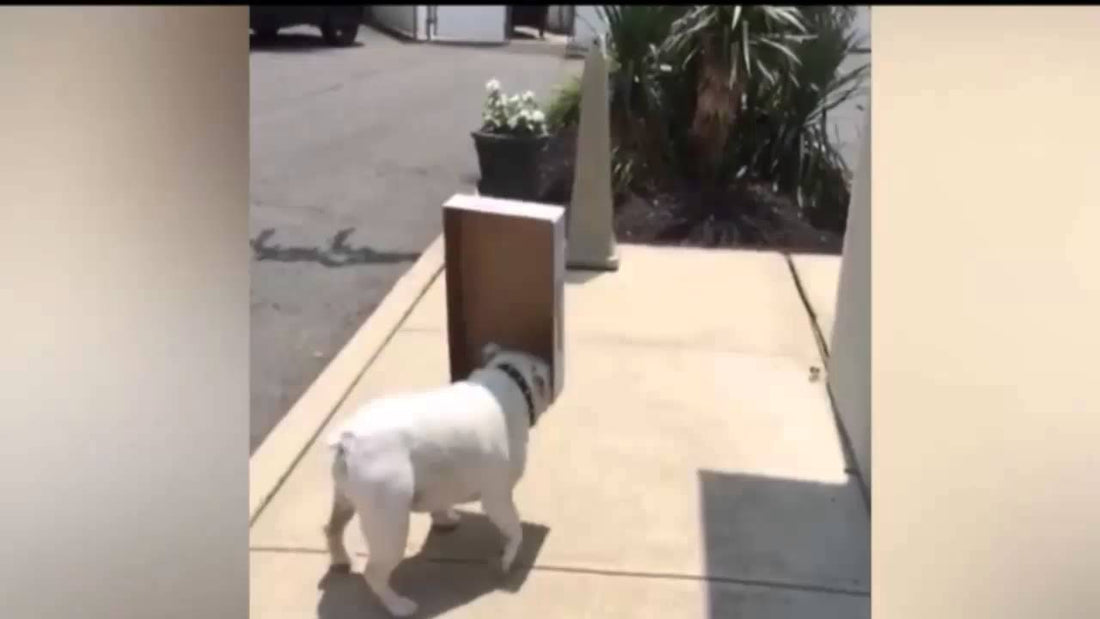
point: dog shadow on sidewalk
(452, 569)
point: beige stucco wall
(850, 348)
(986, 312)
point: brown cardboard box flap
(505, 274)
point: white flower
(512, 113)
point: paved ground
(353, 151)
(690, 469)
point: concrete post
(590, 243)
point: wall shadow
(807, 541)
(452, 569)
(338, 254)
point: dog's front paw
(401, 607)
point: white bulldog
(430, 451)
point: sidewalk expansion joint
(819, 337)
(746, 582)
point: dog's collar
(520, 382)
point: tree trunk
(717, 105)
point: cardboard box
(505, 270)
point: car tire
(340, 35)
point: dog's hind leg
(501, 510)
(342, 512)
(385, 524)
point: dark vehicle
(339, 24)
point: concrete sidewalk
(691, 468)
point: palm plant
(784, 133)
(725, 48)
(634, 34)
(721, 93)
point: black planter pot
(509, 165)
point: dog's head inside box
(505, 274)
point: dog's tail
(335, 440)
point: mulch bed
(749, 216)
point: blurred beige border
(986, 302)
(275, 458)
(124, 316)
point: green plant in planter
(509, 144)
(564, 109)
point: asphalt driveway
(353, 152)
